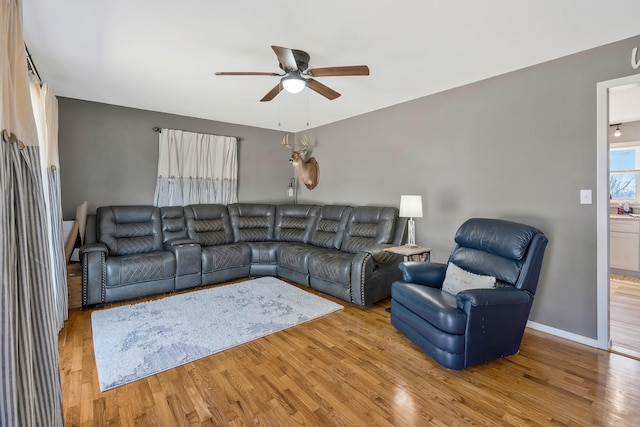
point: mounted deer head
(309, 170)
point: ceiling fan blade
(351, 70)
(272, 93)
(245, 73)
(323, 90)
(286, 58)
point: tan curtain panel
(45, 111)
(17, 114)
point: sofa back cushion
(252, 222)
(173, 223)
(367, 226)
(330, 227)
(208, 224)
(128, 230)
(295, 223)
(493, 247)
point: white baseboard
(563, 334)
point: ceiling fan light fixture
(293, 83)
(295, 64)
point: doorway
(608, 312)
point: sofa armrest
(187, 253)
(423, 273)
(379, 254)
(93, 247)
(93, 257)
(371, 279)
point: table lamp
(411, 207)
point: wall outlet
(585, 197)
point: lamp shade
(411, 206)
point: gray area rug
(135, 341)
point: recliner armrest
(486, 297)
(423, 273)
(93, 247)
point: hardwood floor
(624, 318)
(352, 368)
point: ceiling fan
(295, 65)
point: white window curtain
(30, 390)
(196, 168)
(45, 111)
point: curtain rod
(159, 130)
(31, 65)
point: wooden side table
(412, 253)
(74, 285)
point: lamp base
(411, 246)
(411, 231)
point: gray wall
(519, 146)
(109, 155)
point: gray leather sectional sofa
(139, 251)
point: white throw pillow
(458, 280)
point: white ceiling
(161, 55)
(624, 104)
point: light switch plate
(585, 197)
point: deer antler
(304, 145)
(285, 142)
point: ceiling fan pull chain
(307, 108)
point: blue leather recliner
(476, 325)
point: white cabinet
(624, 244)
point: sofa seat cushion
(431, 304)
(295, 256)
(332, 266)
(215, 258)
(129, 269)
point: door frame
(602, 202)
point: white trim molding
(563, 334)
(602, 202)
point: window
(624, 171)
